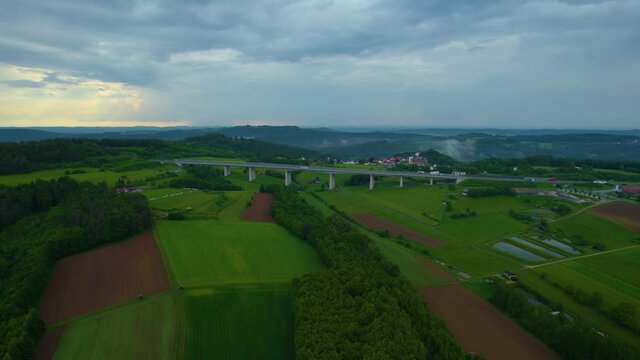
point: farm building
(509, 276)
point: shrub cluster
(203, 178)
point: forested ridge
(63, 217)
(359, 307)
(128, 154)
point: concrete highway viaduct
(332, 171)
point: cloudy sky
(512, 63)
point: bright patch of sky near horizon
(504, 63)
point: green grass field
(199, 204)
(92, 175)
(581, 276)
(587, 313)
(472, 260)
(594, 229)
(236, 300)
(239, 202)
(483, 228)
(240, 178)
(139, 330)
(239, 323)
(467, 240)
(205, 251)
(623, 264)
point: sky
(423, 63)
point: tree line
(624, 313)
(132, 154)
(358, 307)
(84, 216)
(203, 178)
(570, 338)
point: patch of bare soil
(106, 276)
(625, 214)
(260, 209)
(377, 223)
(481, 328)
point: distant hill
(17, 134)
(462, 145)
(12, 135)
(317, 139)
(467, 146)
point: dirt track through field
(260, 209)
(625, 214)
(106, 276)
(49, 343)
(377, 223)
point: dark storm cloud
(530, 52)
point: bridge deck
(336, 170)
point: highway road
(337, 170)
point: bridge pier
(227, 170)
(431, 181)
(252, 173)
(401, 182)
(372, 182)
(287, 177)
(332, 181)
(459, 180)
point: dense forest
(359, 307)
(571, 338)
(123, 154)
(56, 219)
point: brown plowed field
(49, 343)
(377, 223)
(625, 214)
(260, 209)
(481, 328)
(95, 279)
(435, 269)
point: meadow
(620, 264)
(420, 208)
(409, 259)
(199, 204)
(593, 229)
(90, 174)
(241, 178)
(203, 252)
(555, 295)
(588, 279)
(254, 322)
(137, 330)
